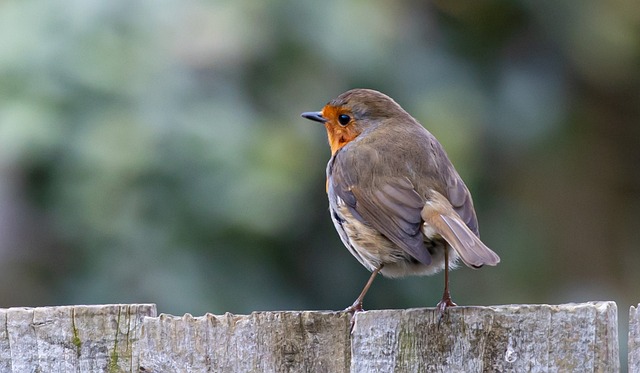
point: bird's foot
(353, 309)
(442, 306)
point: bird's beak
(315, 116)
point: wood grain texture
(634, 339)
(261, 342)
(130, 338)
(71, 338)
(517, 338)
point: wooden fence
(132, 338)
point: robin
(396, 200)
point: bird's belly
(372, 249)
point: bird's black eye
(344, 119)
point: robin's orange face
(341, 126)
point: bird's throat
(339, 137)
(336, 141)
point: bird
(395, 199)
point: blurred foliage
(152, 151)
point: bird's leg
(357, 305)
(446, 297)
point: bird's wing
(439, 215)
(460, 198)
(391, 205)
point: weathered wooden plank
(71, 338)
(634, 339)
(516, 338)
(261, 342)
(119, 338)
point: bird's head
(353, 113)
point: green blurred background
(152, 151)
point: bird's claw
(353, 309)
(442, 306)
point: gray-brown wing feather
(454, 189)
(391, 206)
(460, 198)
(438, 214)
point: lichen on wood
(130, 338)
